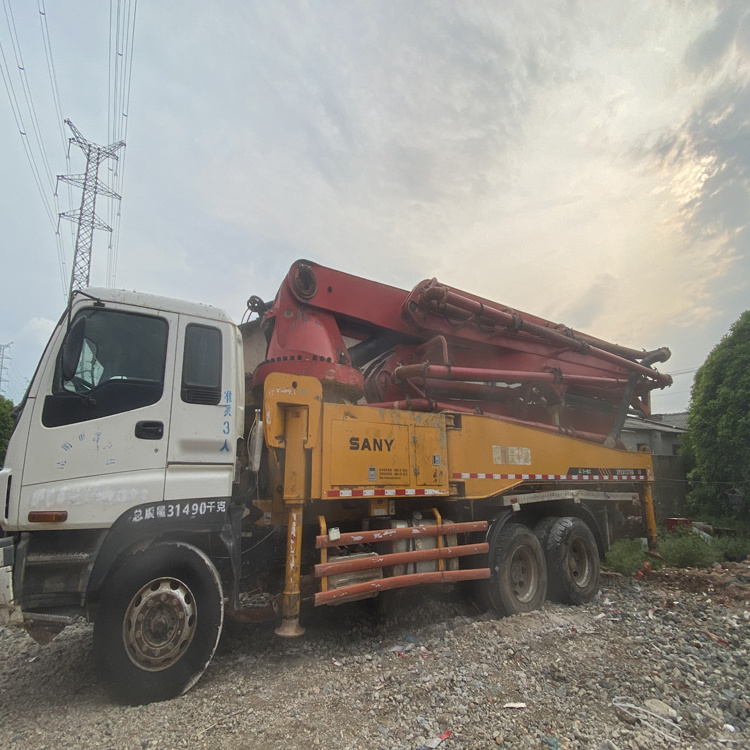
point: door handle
(149, 430)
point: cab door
(98, 433)
(207, 414)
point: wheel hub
(523, 575)
(159, 624)
(579, 564)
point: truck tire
(158, 623)
(519, 573)
(541, 530)
(572, 561)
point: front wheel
(158, 623)
(519, 574)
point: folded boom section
(437, 348)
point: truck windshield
(119, 346)
(120, 367)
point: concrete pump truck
(169, 468)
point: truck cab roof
(156, 302)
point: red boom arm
(439, 348)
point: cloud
(707, 161)
(376, 142)
(36, 332)
(711, 47)
(702, 161)
(589, 306)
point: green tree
(716, 446)
(6, 425)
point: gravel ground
(673, 644)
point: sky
(583, 161)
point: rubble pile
(725, 582)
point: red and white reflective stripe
(379, 492)
(557, 477)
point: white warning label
(511, 455)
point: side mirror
(72, 346)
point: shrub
(682, 548)
(686, 549)
(626, 556)
(735, 548)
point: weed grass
(626, 556)
(679, 549)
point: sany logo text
(365, 444)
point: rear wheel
(519, 574)
(572, 561)
(158, 623)
(542, 529)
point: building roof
(675, 419)
(653, 424)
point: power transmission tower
(86, 216)
(3, 366)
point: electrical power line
(37, 145)
(59, 119)
(668, 392)
(51, 71)
(18, 117)
(122, 19)
(27, 89)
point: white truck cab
(129, 427)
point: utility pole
(86, 216)
(3, 366)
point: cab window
(201, 365)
